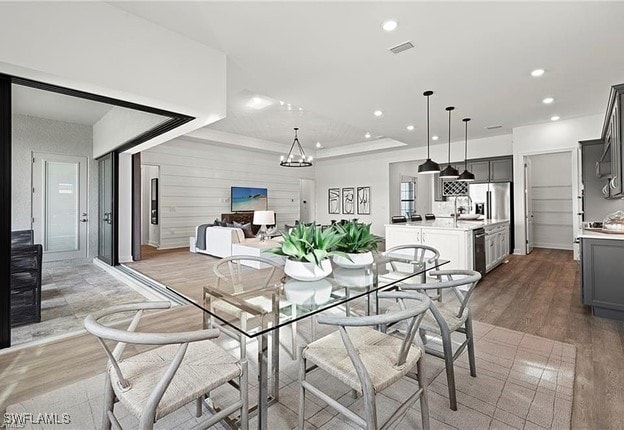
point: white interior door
(59, 205)
(528, 205)
(307, 207)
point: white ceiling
(57, 107)
(332, 59)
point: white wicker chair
(230, 271)
(368, 360)
(183, 369)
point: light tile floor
(68, 294)
(523, 382)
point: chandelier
(296, 156)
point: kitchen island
(454, 240)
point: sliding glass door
(5, 211)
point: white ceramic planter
(304, 271)
(308, 293)
(358, 260)
(353, 277)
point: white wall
(31, 134)
(98, 48)
(373, 170)
(124, 232)
(547, 138)
(119, 125)
(551, 195)
(195, 181)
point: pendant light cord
(428, 157)
(449, 137)
(466, 146)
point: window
(408, 195)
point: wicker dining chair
(412, 258)
(368, 360)
(450, 316)
(184, 368)
(232, 274)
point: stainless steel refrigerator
(492, 200)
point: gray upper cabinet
(613, 154)
(501, 170)
(481, 170)
(492, 170)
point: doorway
(59, 205)
(150, 213)
(307, 206)
(528, 206)
(549, 202)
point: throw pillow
(246, 229)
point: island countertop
(591, 234)
(449, 224)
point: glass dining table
(271, 304)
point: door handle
(84, 217)
(107, 217)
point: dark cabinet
(481, 170)
(601, 276)
(501, 170)
(610, 165)
(493, 170)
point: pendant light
(429, 166)
(298, 158)
(450, 172)
(466, 176)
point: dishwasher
(479, 251)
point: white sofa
(219, 240)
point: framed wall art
(363, 200)
(348, 201)
(333, 200)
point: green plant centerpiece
(357, 243)
(308, 248)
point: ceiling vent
(494, 127)
(402, 47)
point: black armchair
(26, 264)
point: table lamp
(263, 218)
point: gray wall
(31, 134)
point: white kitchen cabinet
(496, 245)
(453, 245)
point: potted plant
(358, 243)
(308, 249)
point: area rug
(523, 382)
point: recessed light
(389, 25)
(367, 135)
(378, 113)
(281, 103)
(434, 137)
(300, 108)
(537, 73)
(548, 100)
(318, 144)
(258, 103)
(410, 127)
(554, 118)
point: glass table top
(255, 301)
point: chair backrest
(412, 314)
(131, 336)
(22, 238)
(413, 254)
(416, 217)
(462, 282)
(398, 218)
(430, 217)
(232, 270)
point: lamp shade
(264, 217)
(429, 166)
(466, 176)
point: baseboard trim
(553, 246)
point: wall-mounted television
(247, 199)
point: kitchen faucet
(469, 206)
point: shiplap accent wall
(195, 181)
(551, 192)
